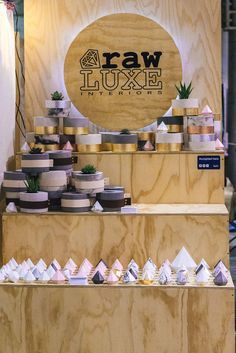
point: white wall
(7, 88)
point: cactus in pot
(89, 180)
(33, 200)
(185, 105)
(57, 106)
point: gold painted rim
(175, 128)
(191, 111)
(52, 147)
(69, 130)
(46, 130)
(169, 147)
(145, 135)
(107, 146)
(124, 147)
(178, 111)
(88, 148)
(185, 111)
(200, 129)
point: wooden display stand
(179, 205)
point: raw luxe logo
(121, 73)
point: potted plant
(125, 141)
(57, 106)
(89, 181)
(185, 105)
(35, 162)
(33, 200)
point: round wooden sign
(121, 71)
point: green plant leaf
(88, 169)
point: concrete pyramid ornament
(2, 277)
(18, 269)
(203, 275)
(50, 271)
(36, 273)
(101, 267)
(25, 148)
(149, 265)
(204, 263)
(117, 265)
(11, 208)
(183, 259)
(147, 277)
(13, 263)
(44, 277)
(220, 266)
(25, 265)
(207, 110)
(97, 207)
(166, 268)
(29, 277)
(82, 272)
(41, 264)
(30, 263)
(67, 273)
(128, 278)
(148, 146)
(112, 278)
(58, 277)
(70, 265)
(13, 276)
(134, 265)
(55, 264)
(181, 278)
(163, 278)
(134, 273)
(87, 263)
(98, 278)
(23, 272)
(68, 146)
(220, 279)
(219, 145)
(162, 128)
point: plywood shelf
(144, 209)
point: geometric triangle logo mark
(90, 60)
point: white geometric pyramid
(206, 110)
(25, 147)
(44, 277)
(68, 146)
(97, 207)
(219, 145)
(183, 259)
(11, 208)
(148, 146)
(117, 265)
(162, 128)
(203, 275)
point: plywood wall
(51, 25)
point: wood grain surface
(112, 236)
(159, 177)
(115, 320)
(51, 26)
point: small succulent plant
(125, 132)
(57, 96)
(35, 150)
(88, 169)
(183, 90)
(32, 184)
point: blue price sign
(208, 162)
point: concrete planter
(75, 202)
(35, 163)
(34, 202)
(58, 108)
(89, 183)
(111, 200)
